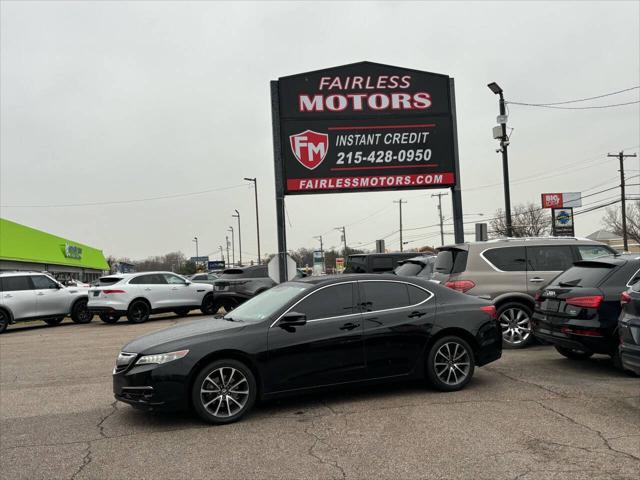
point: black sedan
(629, 326)
(311, 333)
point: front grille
(123, 361)
(137, 394)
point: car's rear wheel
(181, 312)
(207, 306)
(515, 322)
(572, 353)
(224, 391)
(80, 313)
(53, 321)
(109, 317)
(224, 306)
(138, 312)
(4, 321)
(450, 364)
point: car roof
(525, 241)
(615, 260)
(22, 272)
(130, 275)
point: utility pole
(233, 246)
(237, 215)
(504, 143)
(621, 156)
(319, 237)
(227, 243)
(400, 202)
(255, 191)
(440, 195)
(344, 239)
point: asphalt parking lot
(531, 415)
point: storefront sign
(72, 251)
(562, 222)
(562, 200)
(365, 126)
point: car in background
(375, 262)
(509, 272)
(36, 296)
(76, 283)
(629, 329)
(204, 278)
(420, 266)
(578, 311)
(314, 332)
(139, 295)
(236, 285)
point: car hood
(210, 327)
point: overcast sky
(117, 101)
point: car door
(18, 296)
(51, 298)
(183, 293)
(154, 288)
(327, 350)
(398, 318)
(545, 262)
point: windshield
(267, 303)
(583, 275)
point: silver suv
(37, 296)
(509, 272)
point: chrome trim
(629, 284)
(492, 265)
(431, 295)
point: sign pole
(456, 193)
(279, 178)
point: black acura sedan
(311, 333)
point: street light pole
(221, 254)
(227, 243)
(255, 191)
(504, 143)
(195, 239)
(237, 215)
(233, 246)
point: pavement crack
(526, 382)
(100, 424)
(311, 453)
(86, 460)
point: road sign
(215, 265)
(562, 222)
(365, 126)
(562, 200)
(273, 268)
(199, 259)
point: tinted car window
(417, 295)
(356, 265)
(451, 260)
(589, 252)
(256, 272)
(382, 264)
(549, 258)
(151, 279)
(383, 295)
(589, 275)
(199, 277)
(109, 280)
(634, 280)
(508, 259)
(408, 269)
(41, 282)
(329, 302)
(14, 284)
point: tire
(109, 317)
(138, 311)
(54, 321)
(208, 305)
(225, 304)
(4, 320)
(450, 364)
(573, 354)
(182, 312)
(218, 402)
(515, 322)
(80, 313)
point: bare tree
(527, 220)
(612, 220)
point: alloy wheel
(224, 392)
(516, 326)
(452, 363)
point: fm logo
(309, 148)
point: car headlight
(160, 358)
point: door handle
(349, 326)
(536, 280)
(174, 288)
(147, 289)
(416, 314)
(40, 294)
(8, 295)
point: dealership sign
(562, 200)
(365, 126)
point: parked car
(420, 266)
(509, 272)
(139, 295)
(37, 296)
(236, 285)
(629, 329)
(578, 311)
(208, 278)
(76, 283)
(375, 262)
(310, 333)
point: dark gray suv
(235, 285)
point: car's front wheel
(450, 364)
(208, 305)
(4, 321)
(224, 391)
(109, 317)
(54, 321)
(80, 313)
(138, 312)
(573, 354)
(515, 322)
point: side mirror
(293, 319)
(187, 282)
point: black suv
(375, 262)
(235, 285)
(578, 311)
(629, 326)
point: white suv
(36, 296)
(138, 295)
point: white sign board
(571, 199)
(273, 268)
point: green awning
(25, 244)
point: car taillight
(107, 292)
(591, 301)
(536, 298)
(585, 332)
(461, 285)
(625, 298)
(491, 310)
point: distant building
(614, 240)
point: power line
(576, 101)
(576, 108)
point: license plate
(221, 288)
(96, 293)
(551, 305)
